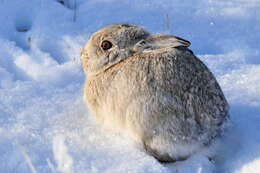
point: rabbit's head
(114, 43)
(110, 45)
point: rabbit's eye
(106, 45)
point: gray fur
(154, 88)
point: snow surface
(44, 125)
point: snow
(44, 125)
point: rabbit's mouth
(84, 54)
(84, 59)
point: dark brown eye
(106, 45)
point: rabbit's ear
(167, 40)
(159, 41)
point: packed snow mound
(44, 124)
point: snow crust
(44, 125)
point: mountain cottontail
(154, 88)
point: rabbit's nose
(83, 53)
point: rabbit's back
(166, 95)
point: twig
(75, 11)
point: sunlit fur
(154, 88)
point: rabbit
(153, 88)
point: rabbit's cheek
(112, 56)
